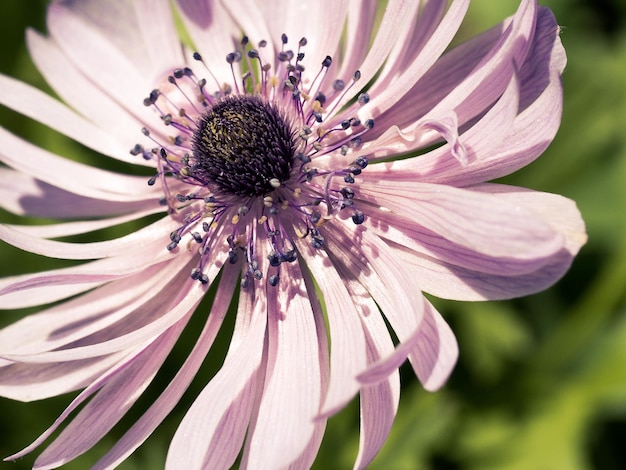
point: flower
(316, 181)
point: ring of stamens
(245, 156)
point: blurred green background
(541, 381)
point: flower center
(243, 146)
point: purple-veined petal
(453, 282)
(432, 350)
(30, 382)
(384, 96)
(171, 308)
(72, 86)
(379, 402)
(213, 32)
(48, 286)
(198, 441)
(116, 391)
(470, 219)
(37, 105)
(95, 250)
(84, 315)
(348, 355)
(73, 228)
(93, 53)
(26, 195)
(145, 425)
(292, 391)
(72, 176)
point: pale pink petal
(26, 195)
(111, 402)
(83, 315)
(145, 425)
(470, 219)
(161, 313)
(292, 390)
(38, 105)
(310, 20)
(73, 176)
(198, 439)
(379, 402)
(214, 33)
(453, 282)
(461, 153)
(307, 457)
(105, 249)
(394, 27)
(72, 86)
(74, 228)
(93, 53)
(48, 286)
(348, 355)
(359, 25)
(30, 382)
(384, 92)
(156, 25)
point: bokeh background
(541, 381)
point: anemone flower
(317, 165)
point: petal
(118, 390)
(155, 232)
(214, 32)
(37, 105)
(384, 92)
(453, 282)
(145, 425)
(198, 441)
(457, 158)
(82, 316)
(73, 176)
(26, 195)
(75, 228)
(48, 286)
(292, 392)
(488, 225)
(432, 350)
(93, 52)
(163, 311)
(72, 86)
(379, 402)
(348, 355)
(310, 20)
(30, 382)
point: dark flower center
(243, 146)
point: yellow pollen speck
(273, 81)
(214, 225)
(300, 234)
(184, 171)
(235, 219)
(297, 192)
(171, 140)
(305, 96)
(317, 107)
(262, 219)
(321, 131)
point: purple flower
(320, 172)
